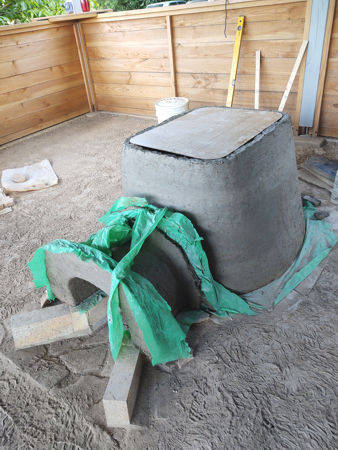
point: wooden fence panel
(130, 58)
(129, 64)
(138, 57)
(41, 83)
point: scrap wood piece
(5, 211)
(257, 78)
(5, 200)
(55, 323)
(293, 75)
(121, 393)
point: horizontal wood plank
(256, 31)
(40, 90)
(246, 65)
(269, 82)
(36, 77)
(16, 110)
(158, 36)
(38, 61)
(138, 78)
(36, 36)
(330, 104)
(41, 48)
(128, 51)
(43, 124)
(132, 90)
(130, 25)
(126, 110)
(127, 102)
(328, 132)
(45, 115)
(224, 49)
(126, 65)
(271, 13)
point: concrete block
(55, 323)
(121, 393)
(246, 205)
(160, 261)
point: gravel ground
(264, 382)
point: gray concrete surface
(263, 382)
(246, 206)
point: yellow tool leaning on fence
(234, 64)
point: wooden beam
(186, 9)
(323, 67)
(80, 43)
(302, 66)
(293, 75)
(55, 323)
(171, 56)
(121, 393)
(257, 78)
(72, 17)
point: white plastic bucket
(168, 107)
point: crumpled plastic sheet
(132, 219)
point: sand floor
(263, 382)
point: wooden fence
(41, 82)
(131, 59)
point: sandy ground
(264, 382)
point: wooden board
(72, 17)
(207, 133)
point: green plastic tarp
(132, 219)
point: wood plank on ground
(121, 393)
(55, 323)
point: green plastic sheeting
(318, 242)
(132, 219)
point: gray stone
(246, 205)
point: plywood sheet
(207, 133)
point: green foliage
(123, 5)
(12, 12)
(23, 11)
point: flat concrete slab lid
(207, 133)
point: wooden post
(171, 56)
(293, 75)
(323, 66)
(257, 78)
(84, 66)
(302, 66)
